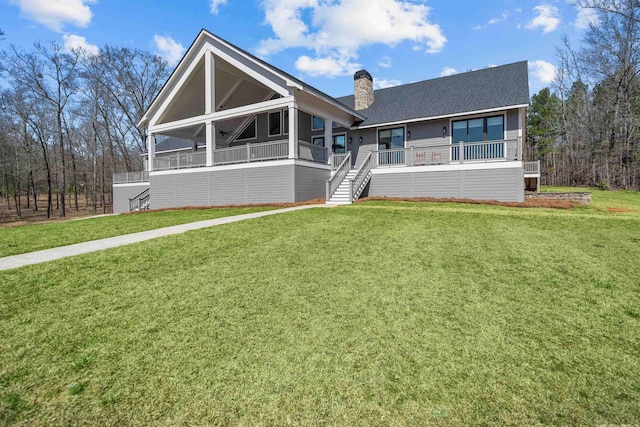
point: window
(339, 145)
(318, 140)
(275, 126)
(285, 122)
(478, 130)
(317, 123)
(249, 132)
(389, 139)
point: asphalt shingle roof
(494, 87)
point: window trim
(346, 142)
(479, 116)
(391, 127)
(269, 113)
(255, 126)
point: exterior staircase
(140, 202)
(341, 196)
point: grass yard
(380, 313)
(600, 199)
(29, 238)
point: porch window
(389, 139)
(339, 144)
(275, 125)
(479, 130)
(249, 132)
(317, 123)
(318, 140)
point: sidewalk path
(45, 255)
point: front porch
(247, 153)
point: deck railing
(489, 151)
(315, 153)
(140, 202)
(180, 161)
(337, 158)
(532, 168)
(256, 152)
(130, 177)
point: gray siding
(122, 194)
(512, 124)
(223, 187)
(311, 183)
(486, 184)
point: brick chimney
(362, 89)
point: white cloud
(169, 49)
(338, 29)
(542, 71)
(503, 17)
(385, 62)
(585, 18)
(326, 66)
(55, 14)
(385, 83)
(547, 18)
(215, 6)
(448, 71)
(75, 42)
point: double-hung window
(478, 130)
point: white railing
(180, 161)
(315, 153)
(450, 153)
(361, 178)
(337, 158)
(130, 177)
(532, 167)
(336, 179)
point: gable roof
(481, 90)
(289, 79)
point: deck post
(293, 130)
(209, 83)
(328, 140)
(151, 150)
(211, 142)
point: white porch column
(328, 137)
(293, 130)
(211, 142)
(151, 151)
(209, 83)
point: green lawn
(29, 238)
(378, 313)
(600, 199)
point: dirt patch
(530, 203)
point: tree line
(68, 122)
(585, 128)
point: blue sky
(319, 41)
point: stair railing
(138, 201)
(361, 178)
(336, 179)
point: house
(230, 129)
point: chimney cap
(361, 74)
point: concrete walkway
(45, 255)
